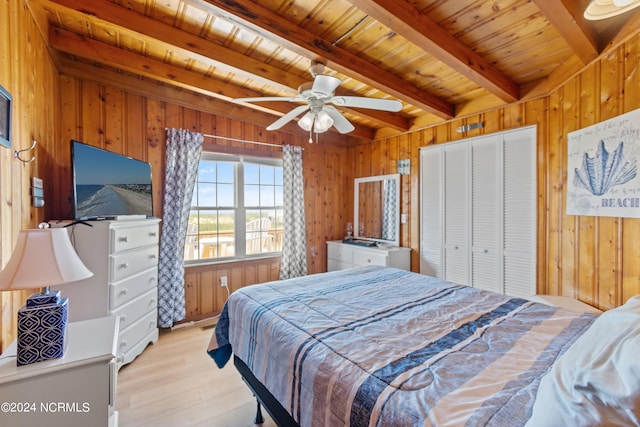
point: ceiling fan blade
(324, 85)
(287, 117)
(340, 122)
(266, 98)
(364, 102)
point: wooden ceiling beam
(567, 17)
(199, 48)
(93, 50)
(73, 44)
(404, 19)
(207, 51)
(256, 18)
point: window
(236, 208)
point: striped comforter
(379, 346)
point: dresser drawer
(126, 238)
(333, 265)
(361, 258)
(129, 337)
(126, 290)
(340, 253)
(129, 263)
(137, 308)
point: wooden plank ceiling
(442, 59)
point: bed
(377, 346)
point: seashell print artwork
(603, 171)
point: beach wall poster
(602, 169)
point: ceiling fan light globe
(602, 9)
(306, 122)
(322, 123)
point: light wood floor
(174, 383)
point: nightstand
(77, 389)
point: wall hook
(16, 154)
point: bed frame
(264, 397)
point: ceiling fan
(320, 104)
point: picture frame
(5, 117)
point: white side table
(77, 389)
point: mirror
(376, 208)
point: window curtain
(183, 150)
(294, 233)
(390, 207)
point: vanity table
(376, 239)
(346, 255)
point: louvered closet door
(486, 204)
(431, 211)
(456, 207)
(520, 212)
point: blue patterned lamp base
(42, 323)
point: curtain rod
(244, 141)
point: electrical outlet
(223, 281)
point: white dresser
(77, 389)
(123, 256)
(345, 255)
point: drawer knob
(123, 318)
(124, 265)
(486, 251)
(152, 256)
(369, 260)
(124, 239)
(123, 343)
(153, 234)
(123, 291)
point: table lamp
(42, 257)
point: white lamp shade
(42, 257)
(602, 9)
(323, 122)
(307, 121)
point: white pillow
(596, 381)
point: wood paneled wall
(28, 73)
(132, 124)
(594, 259)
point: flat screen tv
(108, 185)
